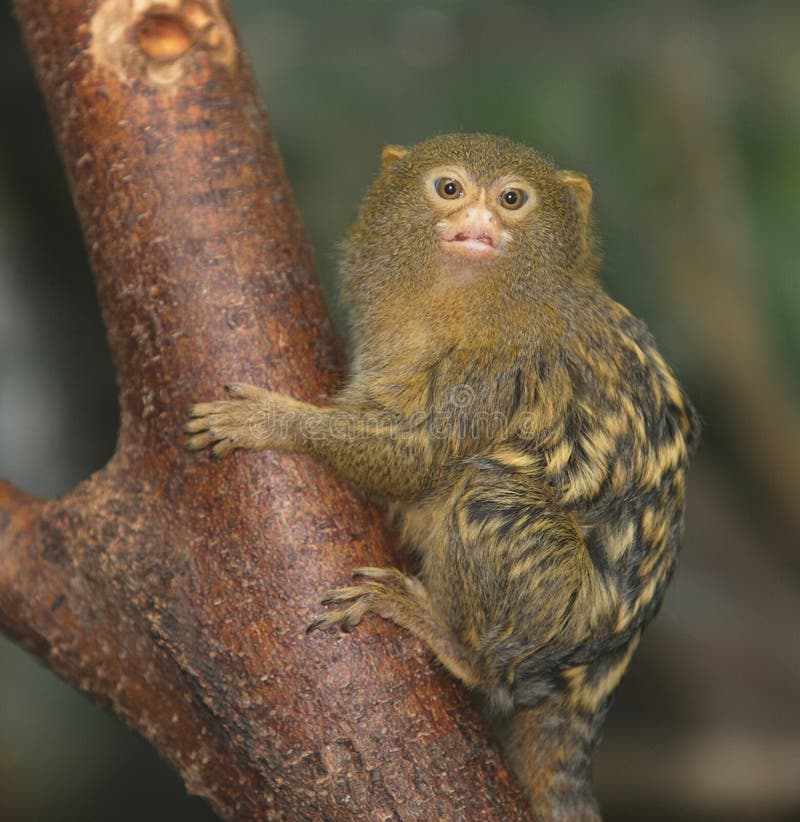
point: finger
(345, 594)
(324, 622)
(224, 447)
(243, 391)
(199, 441)
(382, 574)
(203, 409)
(200, 424)
(352, 617)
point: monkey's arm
(375, 451)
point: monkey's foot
(384, 591)
(254, 419)
(403, 599)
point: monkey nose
(473, 234)
(478, 214)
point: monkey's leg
(526, 591)
(402, 599)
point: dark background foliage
(685, 116)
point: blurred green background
(686, 115)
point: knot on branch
(155, 40)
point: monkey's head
(471, 217)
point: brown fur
(529, 439)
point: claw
(317, 623)
(343, 619)
(243, 391)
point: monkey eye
(448, 188)
(513, 198)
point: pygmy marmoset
(528, 438)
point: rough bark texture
(174, 589)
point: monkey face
(479, 200)
(476, 220)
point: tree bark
(174, 589)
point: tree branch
(173, 589)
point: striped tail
(551, 748)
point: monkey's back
(550, 547)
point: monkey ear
(391, 154)
(581, 190)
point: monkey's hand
(403, 599)
(253, 419)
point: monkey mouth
(475, 245)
